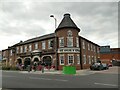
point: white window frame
(11, 62)
(84, 59)
(11, 52)
(83, 44)
(4, 53)
(91, 47)
(43, 45)
(77, 42)
(61, 55)
(25, 48)
(69, 41)
(88, 46)
(92, 59)
(36, 45)
(61, 42)
(95, 59)
(69, 33)
(89, 59)
(98, 50)
(94, 48)
(78, 58)
(49, 44)
(30, 47)
(70, 58)
(17, 50)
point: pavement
(111, 70)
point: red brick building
(63, 47)
(108, 55)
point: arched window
(69, 33)
(69, 39)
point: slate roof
(52, 35)
(67, 22)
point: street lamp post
(56, 65)
(55, 20)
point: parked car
(99, 66)
(110, 65)
(105, 66)
(96, 66)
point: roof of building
(89, 41)
(52, 35)
(67, 22)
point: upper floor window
(17, 50)
(77, 42)
(91, 47)
(61, 59)
(88, 46)
(69, 33)
(30, 47)
(97, 50)
(83, 44)
(25, 48)
(50, 44)
(36, 45)
(43, 44)
(4, 53)
(94, 49)
(69, 41)
(70, 59)
(61, 42)
(21, 49)
(10, 52)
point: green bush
(5, 68)
(9, 68)
(14, 68)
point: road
(29, 80)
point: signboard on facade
(69, 50)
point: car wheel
(99, 68)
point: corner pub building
(63, 47)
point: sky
(26, 19)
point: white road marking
(114, 85)
(48, 79)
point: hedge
(9, 68)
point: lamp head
(51, 15)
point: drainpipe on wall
(81, 65)
(56, 56)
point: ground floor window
(78, 59)
(70, 58)
(95, 59)
(92, 59)
(61, 58)
(89, 60)
(84, 59)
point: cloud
(98, 21)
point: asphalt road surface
(29, 80)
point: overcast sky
(24, 20)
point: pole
(56, 65)
(55, 23)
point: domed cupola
(67, 22)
